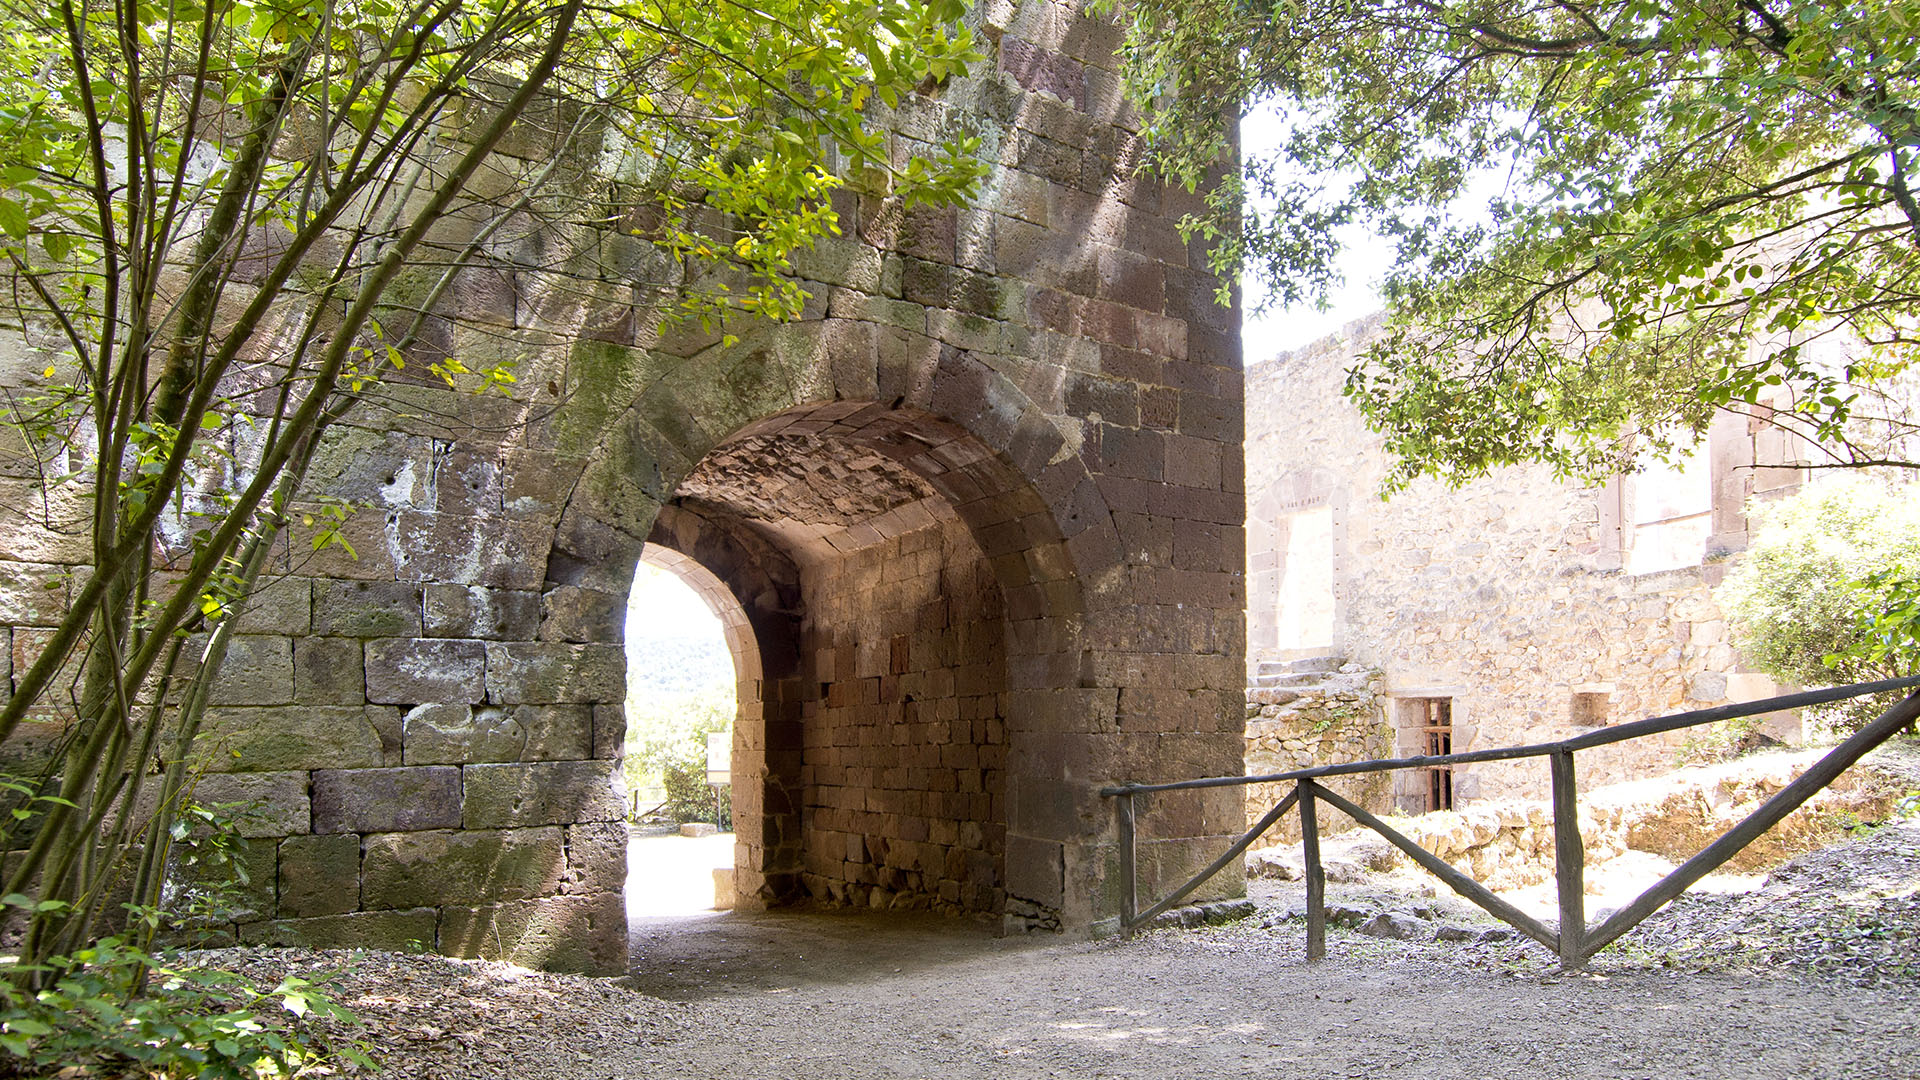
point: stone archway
(935, 588)
(432, 711)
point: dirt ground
(872, 996)
(1810, 972)
(1815, 975)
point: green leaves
(1670, 178)
(188, 1020)
(1828, 591)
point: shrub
(111, 1010)
(1825, 569)
(667, 747)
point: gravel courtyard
(1813, 976)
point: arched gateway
(979, 513)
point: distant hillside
(677, 665)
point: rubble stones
(1397, 925)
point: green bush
(111, 1010)
(1816, 598)
(667, 747)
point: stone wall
(1509, 596)
(906, 749)
(1335, 718)
(1040, 385)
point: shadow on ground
(727, 954)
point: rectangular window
(1305, 616)
(1672, 513)
(1591, 708)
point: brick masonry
(974, 526)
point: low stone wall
(1339, 720)
(1509, 844)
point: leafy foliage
(1824, 568)
(113, 1010)
(1696, 205)
(667, 746)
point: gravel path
(1813, 976)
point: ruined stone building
(1517, 609)
(973, 524)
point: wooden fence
(1574, 942)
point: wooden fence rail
(1574, 942)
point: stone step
(1301, 666)
(1264, 681)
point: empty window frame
(1591, 708)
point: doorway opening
(1426, 730)
(682, 699)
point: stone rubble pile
(1321, 710)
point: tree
(207, 210)
(1825, 575)
(1692, 200)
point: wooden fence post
(1129, 886)
(1316, 877)
(1569, 861)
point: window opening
(1672, 514)
(1591, 708)
(1305, 615)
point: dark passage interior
(860, 543)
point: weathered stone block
(294, 737)
(541, 793)
(596, 857)
(587, 934)
(576, 614)
(458, 734)
(328, 671)
(365, 465)
(258, 670)
(367, 609)
(212, 892)
(397, 931)
(1036, 870)
(609, 731)
(385, 800)
(529, 672)
(25, 596)
(319, 875)
(400, 870)
(407, 672)
(462, 734)
(280, 606)
(505, 552)
(556, 732)
(460, 611)
(259, 803)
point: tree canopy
(1696, 204)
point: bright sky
(662, 608)
(1364, 261)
